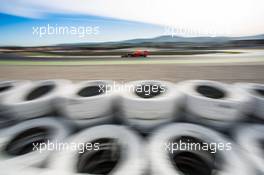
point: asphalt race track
(170, 72)
(227, 68)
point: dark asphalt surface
(253, 72)
(13, 57)
(169, 72)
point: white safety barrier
(144, 105)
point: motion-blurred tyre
(7, 88)
(35, 99)
(149, 103)
(89, 102)
(256, 92)
(26, 144)
(22, 170)
(119, 151)
(190, 149)
(251, 139)
(214, 104)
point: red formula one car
(136, 54)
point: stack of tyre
(135, 124)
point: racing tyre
(256, 92)
(119, 151)
(26, 144)
(189, 149)
(251, 139)
(89, 102)
(7, 88)
(35, 99)
(214, 104)
(148, 104)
